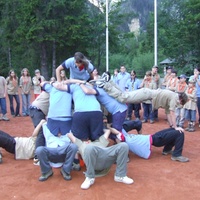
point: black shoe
(65, 175)
(45, 176)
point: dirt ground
(157, 178)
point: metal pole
(155, 34)
(107, 34)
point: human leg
(169, 138)
(131, 125)
(145, 112)
(16, 97)
(24, 105)
(3, 109)
(130, 111)
(28, 103)
(11, 104)
(137, 108)
(7, 142)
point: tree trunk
(54, 59)
(44, 67)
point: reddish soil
(157, 178)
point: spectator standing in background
(95, 74)
(37, 79)
(156, 80)
(196, 78)
(180, 111)
(133, 84)
(167, 77)
(12, 90)
(25, 85)
(114, 76)
(122, 78)
(3, 91)
(173, 81)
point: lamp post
(107, 34)
(155, 34)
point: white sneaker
(87, 183)
(36, 162)
(124, 179)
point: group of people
(13, 87)
(172, 82)
(69, 124)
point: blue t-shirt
(133, 84)
(60, 103)
(75, 72)
(122, 79)
(83, 102)
(110, 103)
(139, 144)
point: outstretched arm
(37, 128)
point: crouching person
(98, 157)
(58, 152)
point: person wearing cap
(180, 111)
(196, 78)
(79, 67)
(167, 77)
(190, 106)
(173, 81)
(37, 79)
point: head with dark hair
(80, 59)
(183, 98)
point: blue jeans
(63, 154)
(148, 113)
(26, 98)
(16, 97)
(3, 105)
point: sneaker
(105, 76)
(87, 183)
(5, 118)
(36, 162)
(144, 121)
(1, 158)
(121, 137)
(65, 175)
(45, 176)
(100, 83)
(165, 153)
(151, 121)
(124, 179)
(76, 167)
(180, 158)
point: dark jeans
(148, 113)
(16, 97)
(136, 108)
(169, 138)
(198, 107)
(36, 116)
(132, 124)
(7, 142)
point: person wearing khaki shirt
(3, 91)
(12, 90)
